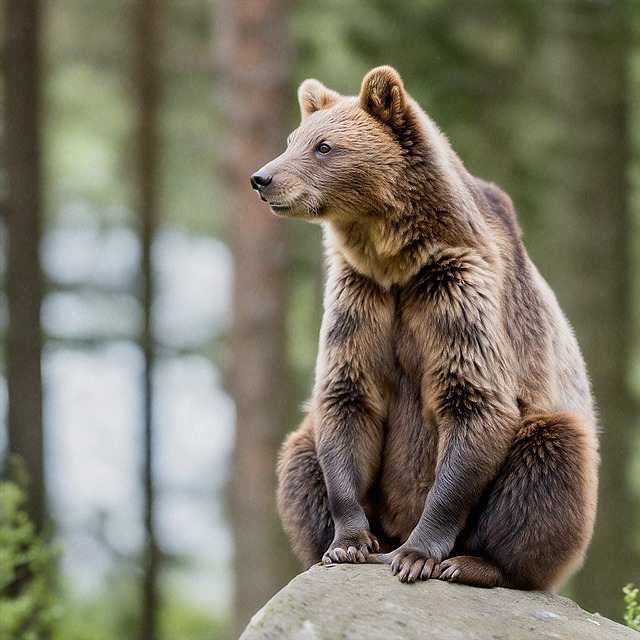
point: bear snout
(261, 180)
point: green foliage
(632, 613)
(113, 613)
(181, 620)
(28, 606)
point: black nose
(260, 180)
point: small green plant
(28, 607)
(632, 613)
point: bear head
(351, 157)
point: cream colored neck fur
(374, 252)
(391, 249)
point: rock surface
(365, 602)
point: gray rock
(365, 602)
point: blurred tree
(586, 224)
(147, 89)
(22, 171)
(253, 53)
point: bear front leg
(353, 541)
(465, 469)
(304, 507)
(467, 391)
(349, 457)
(354, 378)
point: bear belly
(408, 462)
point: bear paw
(411, 564)
(351, 548)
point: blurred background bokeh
(160, 325)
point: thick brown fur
(451, 426)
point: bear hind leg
(476, 572)
(535, 523)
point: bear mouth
(279, 208)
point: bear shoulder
(499, 209)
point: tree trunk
(22, 168)
(587, 249)
(254, 58)
(146, 80)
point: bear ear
(313, 96)
(383, 96)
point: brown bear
(451, 430)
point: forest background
(160, 325)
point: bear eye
(324, 148)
